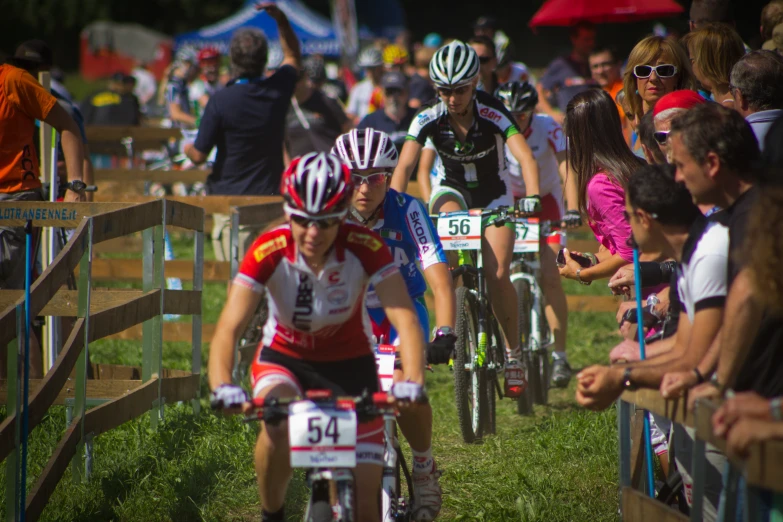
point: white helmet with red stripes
(317, 183)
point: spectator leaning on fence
(246, 122)
(757, 87)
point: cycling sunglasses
(459, 91)
(321, 222)
(373, 180)
(663, 70)
(485, 59)
(661, 137)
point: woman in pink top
(601, 163)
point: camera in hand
(583, 261)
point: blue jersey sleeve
(422, 232)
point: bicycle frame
(393, 505)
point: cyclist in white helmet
(371, 60)
(402, 221)
(469, 130)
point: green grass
(557, 465)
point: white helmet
(454, 64)
(370, 57)
(366, 149)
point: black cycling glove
(572, 219)
(440, 349)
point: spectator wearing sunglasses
(396, 116)
(488, 62)
(714, 49)
(666, 109)
(755, 85)
(656, 67)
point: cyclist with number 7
(405, 226)
(469, 129)
(315, 269)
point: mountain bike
(322, 434)
(394, 506)
(479, 355)
(535, 336)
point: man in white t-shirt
(360, 97)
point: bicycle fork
(535, 343)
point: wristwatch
(77, 185)
(443, 330)
(579, 278)
(627, 382)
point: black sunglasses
(661, 137)
(663, 70)
(321, 223)
(459, 91)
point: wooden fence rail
(99, 314)
(762, 469)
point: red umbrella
(570, 12)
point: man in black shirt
(116, 105)
(396, 116)
(246, 122)
(314, 120)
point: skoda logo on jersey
(463, 150)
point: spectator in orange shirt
(606, 70)
(22, 101)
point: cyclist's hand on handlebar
(529, 205)
(408, 392)
(227, 396)
(440, 349)
(571, 219)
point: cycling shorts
(472, 198)
(346, 377)
(382, 327)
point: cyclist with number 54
(315, 269)
(469, 129)
(404, 224)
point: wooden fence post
(152, 329)
(198, 283)
(12, 464)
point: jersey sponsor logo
(365, 240)
(420, 231)
(424, 118)
(386, 272)
(468, 158)
(401, 200)
(489, 114)
(303, 309)
(273, 245)
(337, 296)
(333, 278)
(462, 150)
(337, 311)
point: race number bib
(527, 236)
(321, 437)
(459, 231)
(384, 360)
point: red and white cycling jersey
(545, 138)
(317, 317)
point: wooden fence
(762, 470)
(122, 393)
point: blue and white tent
(313, 30)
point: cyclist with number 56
(404, 224)
(469, 129)
(547, 140)
(315, 269)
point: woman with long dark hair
(600, 163)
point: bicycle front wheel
(495, 358)
(469, 377)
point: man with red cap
(666, 109)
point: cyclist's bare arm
(408, 158)
(177, 114)
(240, 305)
(73, 146)
(399, 309)
(439, 279)
(743, 317)
(545, 107)
(426, 162)
(519, 148)
(569, 187)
